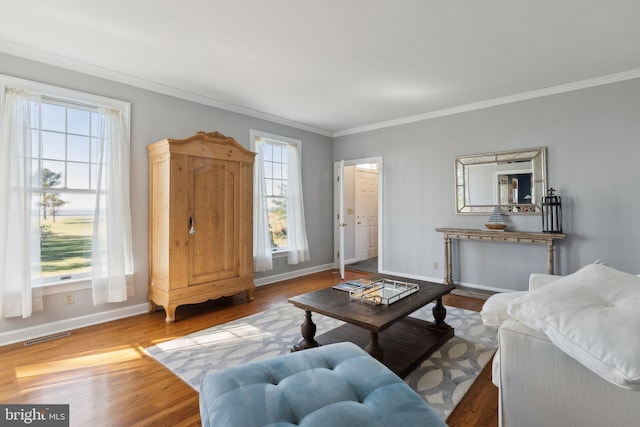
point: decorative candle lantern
(551, 213)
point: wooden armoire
(200, 220)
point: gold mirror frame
(533, 159)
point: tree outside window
(51, 202)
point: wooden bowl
(495, 226)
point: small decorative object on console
(495, 221)
(551, 213)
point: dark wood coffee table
(385, 331)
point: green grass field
(66, 248)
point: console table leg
(550, 257)
(374, 347)
(308, 332)
(448, 274)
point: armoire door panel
(214, 190)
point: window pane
(95, 150)
(77, 175)
(53, 117)
(277, 170)
(65, 235)
(94, 124)
(267, 152)
(268, 170)
(53, 174)
(36, 174)
(78, 148)
(94, 176)
(78, 121)
(277, 187)
(35, 143)
(268, 187)
(277, 153)
(277, 208)
(53, 145)
(285, 171)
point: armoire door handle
(192, 229)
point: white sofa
(544, 384)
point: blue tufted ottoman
(337, 385)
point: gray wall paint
(593, 144)
(591, 135)
(154, 117)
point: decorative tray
(384, 291)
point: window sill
(280, 254)
(64, 286)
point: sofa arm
(541, 386)
(539, 280)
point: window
(66, 146)
(275, 180)
(64, 193)
(278, 203)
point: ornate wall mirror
(514, 181)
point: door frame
(337, 202)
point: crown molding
(93, 70)
(71, 64)
(553, 90)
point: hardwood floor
(108, 380)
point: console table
(498, 237)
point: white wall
(154, 117)
(593, 140)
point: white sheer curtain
(296, 231)
(19, 206)
(262, 260)
(112, 255)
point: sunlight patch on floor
(79, 362)
(215, 337)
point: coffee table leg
(374, 347)
(439, 314)
(308, 331)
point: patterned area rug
(442, 379)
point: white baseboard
(484, 288)
(24, 334)
(441, 280)
(414, 276)
(12, 337)
(292, 274)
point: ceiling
(334, 66)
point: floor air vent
(47, 338)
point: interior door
(341, 217)
(366, 209)
(339, 206)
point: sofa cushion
(593, 316)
